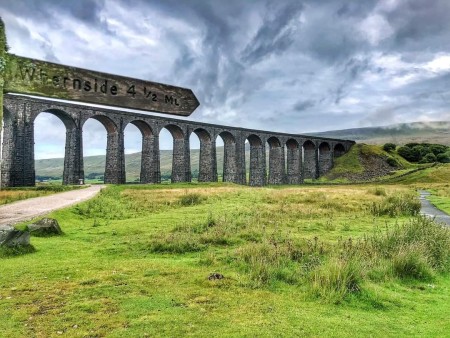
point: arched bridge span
(292, 158)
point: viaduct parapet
(292, 157)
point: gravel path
(27, 209)
(430, 210)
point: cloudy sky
(290, 66)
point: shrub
(443, 158)
(266, 262)
(378, 191)
(422, 233)
(336, 279)
(409, 154)
(177, 242)
(396, 205)
(428, 158)
(415, 152)
(392, 162)
(411, 263)
(6, 251)
(389, 147)
(191, 199)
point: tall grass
(416, 250)
(396, 205)
(262, 245)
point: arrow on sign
(35, 77)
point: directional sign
(35, 77)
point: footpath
(21, 211)
(430, 210)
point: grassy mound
(366, 163)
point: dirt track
(27, 209)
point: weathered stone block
(45, 227)
(11, 237)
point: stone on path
(11, 237)
(45, 227)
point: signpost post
(35, 77)
(3, 53)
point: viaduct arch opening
(257, 161)
(207, 163)
(325, 158)
(339, 150)
(72, 160)
(310, 160)
(293, 162)
(49, 146)
(229, 167)
(181, 167)
(115, 153)
(277, 169)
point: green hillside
(96, 164)
(419, 132)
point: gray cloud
(276, 33)
(288, 65)
(303, 105)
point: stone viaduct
(292, 158)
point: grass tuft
(336, 279)
(396, 205)
(191, 199)
(6, 251)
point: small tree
(389, 147)
(428, 158)
(444, 158)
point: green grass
(439, 174)
(349, 162)
(441, 197)
(297, 261)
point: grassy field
(297, 261)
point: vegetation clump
(18, 250)
(389, 147)
(396, 205)
(425, 153)
(191, 199)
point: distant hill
(96, 164)
(430, 132)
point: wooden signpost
(34, 77)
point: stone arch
(257, 168)
(14, 155)
(148, 168)
(229, 172)
(109, 124)
(181, 167)
(338, 150)
(325, 158)
(115, 151)
(65, 118)
(73, 159)
(309, 159)
(207, 157)
(277, 170)
(294, 162)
